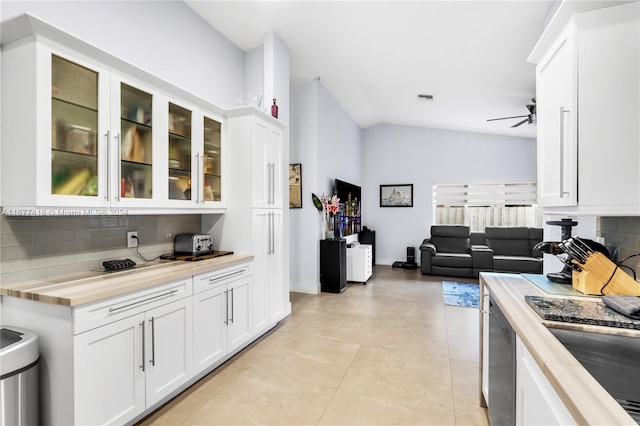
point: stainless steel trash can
(19, 382)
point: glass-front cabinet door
(181, 156)
(76, 154)
(212, 163)
(135, 143)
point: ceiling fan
(530, 118)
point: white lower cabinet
(115, 360)
(268, 285)
(126, 366)
(537, 403)
(221, 314)
(168, 337)
(109, 362)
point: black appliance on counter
(560, 249)
(193, 247)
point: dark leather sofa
(452, 250)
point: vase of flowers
(329, 207)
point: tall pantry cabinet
(255, 219)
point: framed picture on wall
(295, 186)
(396, 195)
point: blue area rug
(461, 294)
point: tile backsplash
(624, 233)
(34, 248)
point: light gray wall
(165, 38)
(422, 157)
(37, 248)
(327, 142)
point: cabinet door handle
(562, 111)
(153, 342)
(273, 183)
(108, 192)
(269, 233)
(226, 310)
(143, 339)
(232, 315)
(213, 280)
(175, 290)
(271, 197)
(273, 233)
(201, 179)
(195, 176)
(119, 162)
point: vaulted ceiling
(375, 57)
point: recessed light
(426, 97)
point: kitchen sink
(613, 360)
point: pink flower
(330, 205)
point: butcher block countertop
(587, 401)
(88, 287)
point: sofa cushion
(450, 239)
(508, 241)
(452, 260)
(525, 265)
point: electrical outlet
(132, 239)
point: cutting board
(549, 287)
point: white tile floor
(389, 352)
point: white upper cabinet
(266, 157)
(609, 86)
(55, 118)
(588, 98)
(87, 132)
(556, 96)
(134, 136)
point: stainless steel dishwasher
(502, 368)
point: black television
(343, 189)
(350, 216)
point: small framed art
(396, 195)
(295, 186)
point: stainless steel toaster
(193, 244)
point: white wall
(165, 38)
(410, 155)
(327, 142)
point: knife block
(596, 271)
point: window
(479, 205)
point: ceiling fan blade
(507, 118)
(522, 122)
